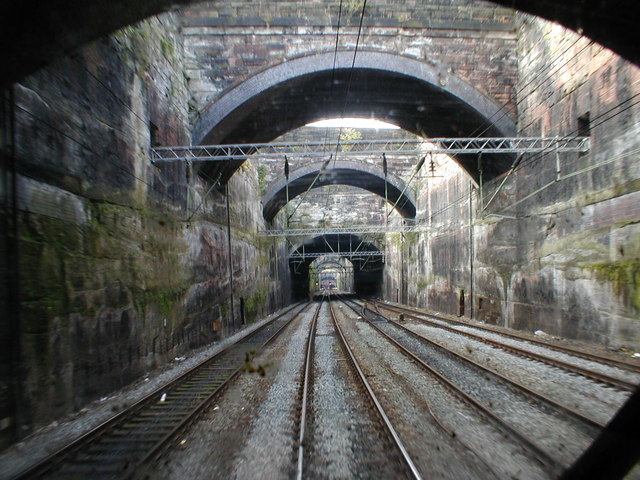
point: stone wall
(337, 205)
(432, 267)
(229, 42)
(123, 265)
(556, 246)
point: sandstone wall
(557, 248)
(229, 42)
(123, 265)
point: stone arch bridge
(320, 174)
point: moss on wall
(624, 278)
(256, 302)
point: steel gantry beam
(354, 229)
(348, 254)
(414, 146)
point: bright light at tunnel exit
(353, 123)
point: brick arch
(218, 120)
(356, 174)
(412, 94)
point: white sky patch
(353, 123)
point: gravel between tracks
(344, 439)
(561, 437)
(478, 450)
(617, 372)
(214, 446)
(595, 399)
(56, 435)
(549, 352)
(268, 451)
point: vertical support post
(471, 251)
(230, 256)
(558, 172)
(386, 189)
(481, 183)
(286, 175)
(402, 285)
(10, 326)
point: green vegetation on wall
(256, 302)
(623, 276)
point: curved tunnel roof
(356, 174)
(414, 95)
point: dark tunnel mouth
(367, 274)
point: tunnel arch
(342, 172)
(330, 272)
(367, 271)
(414, 95)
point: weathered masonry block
(123, 265)
(229, 43)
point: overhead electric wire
(574, 59)
(522, 164)
(547, 70)
(346, 96)
(591, 126)
(364, 6)
(326, 136)
(333, 78)
(353, 64)
(517, 167)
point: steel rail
(625, 365)
(405, 454)
(539, 454)
(192, 416)
(308, 363)
(513, 383)
(600, 377)
(150, 406)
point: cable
(346, 96)
(517, 93)
(364, 6)
(353, 64)
(547, 71)
(538, 155)
(574, 59)
(333, 71)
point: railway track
(120, 446)
(617, 382)
(306, 388)
(536, 396)
(391, 431)
(303, 439)
(548, 459)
